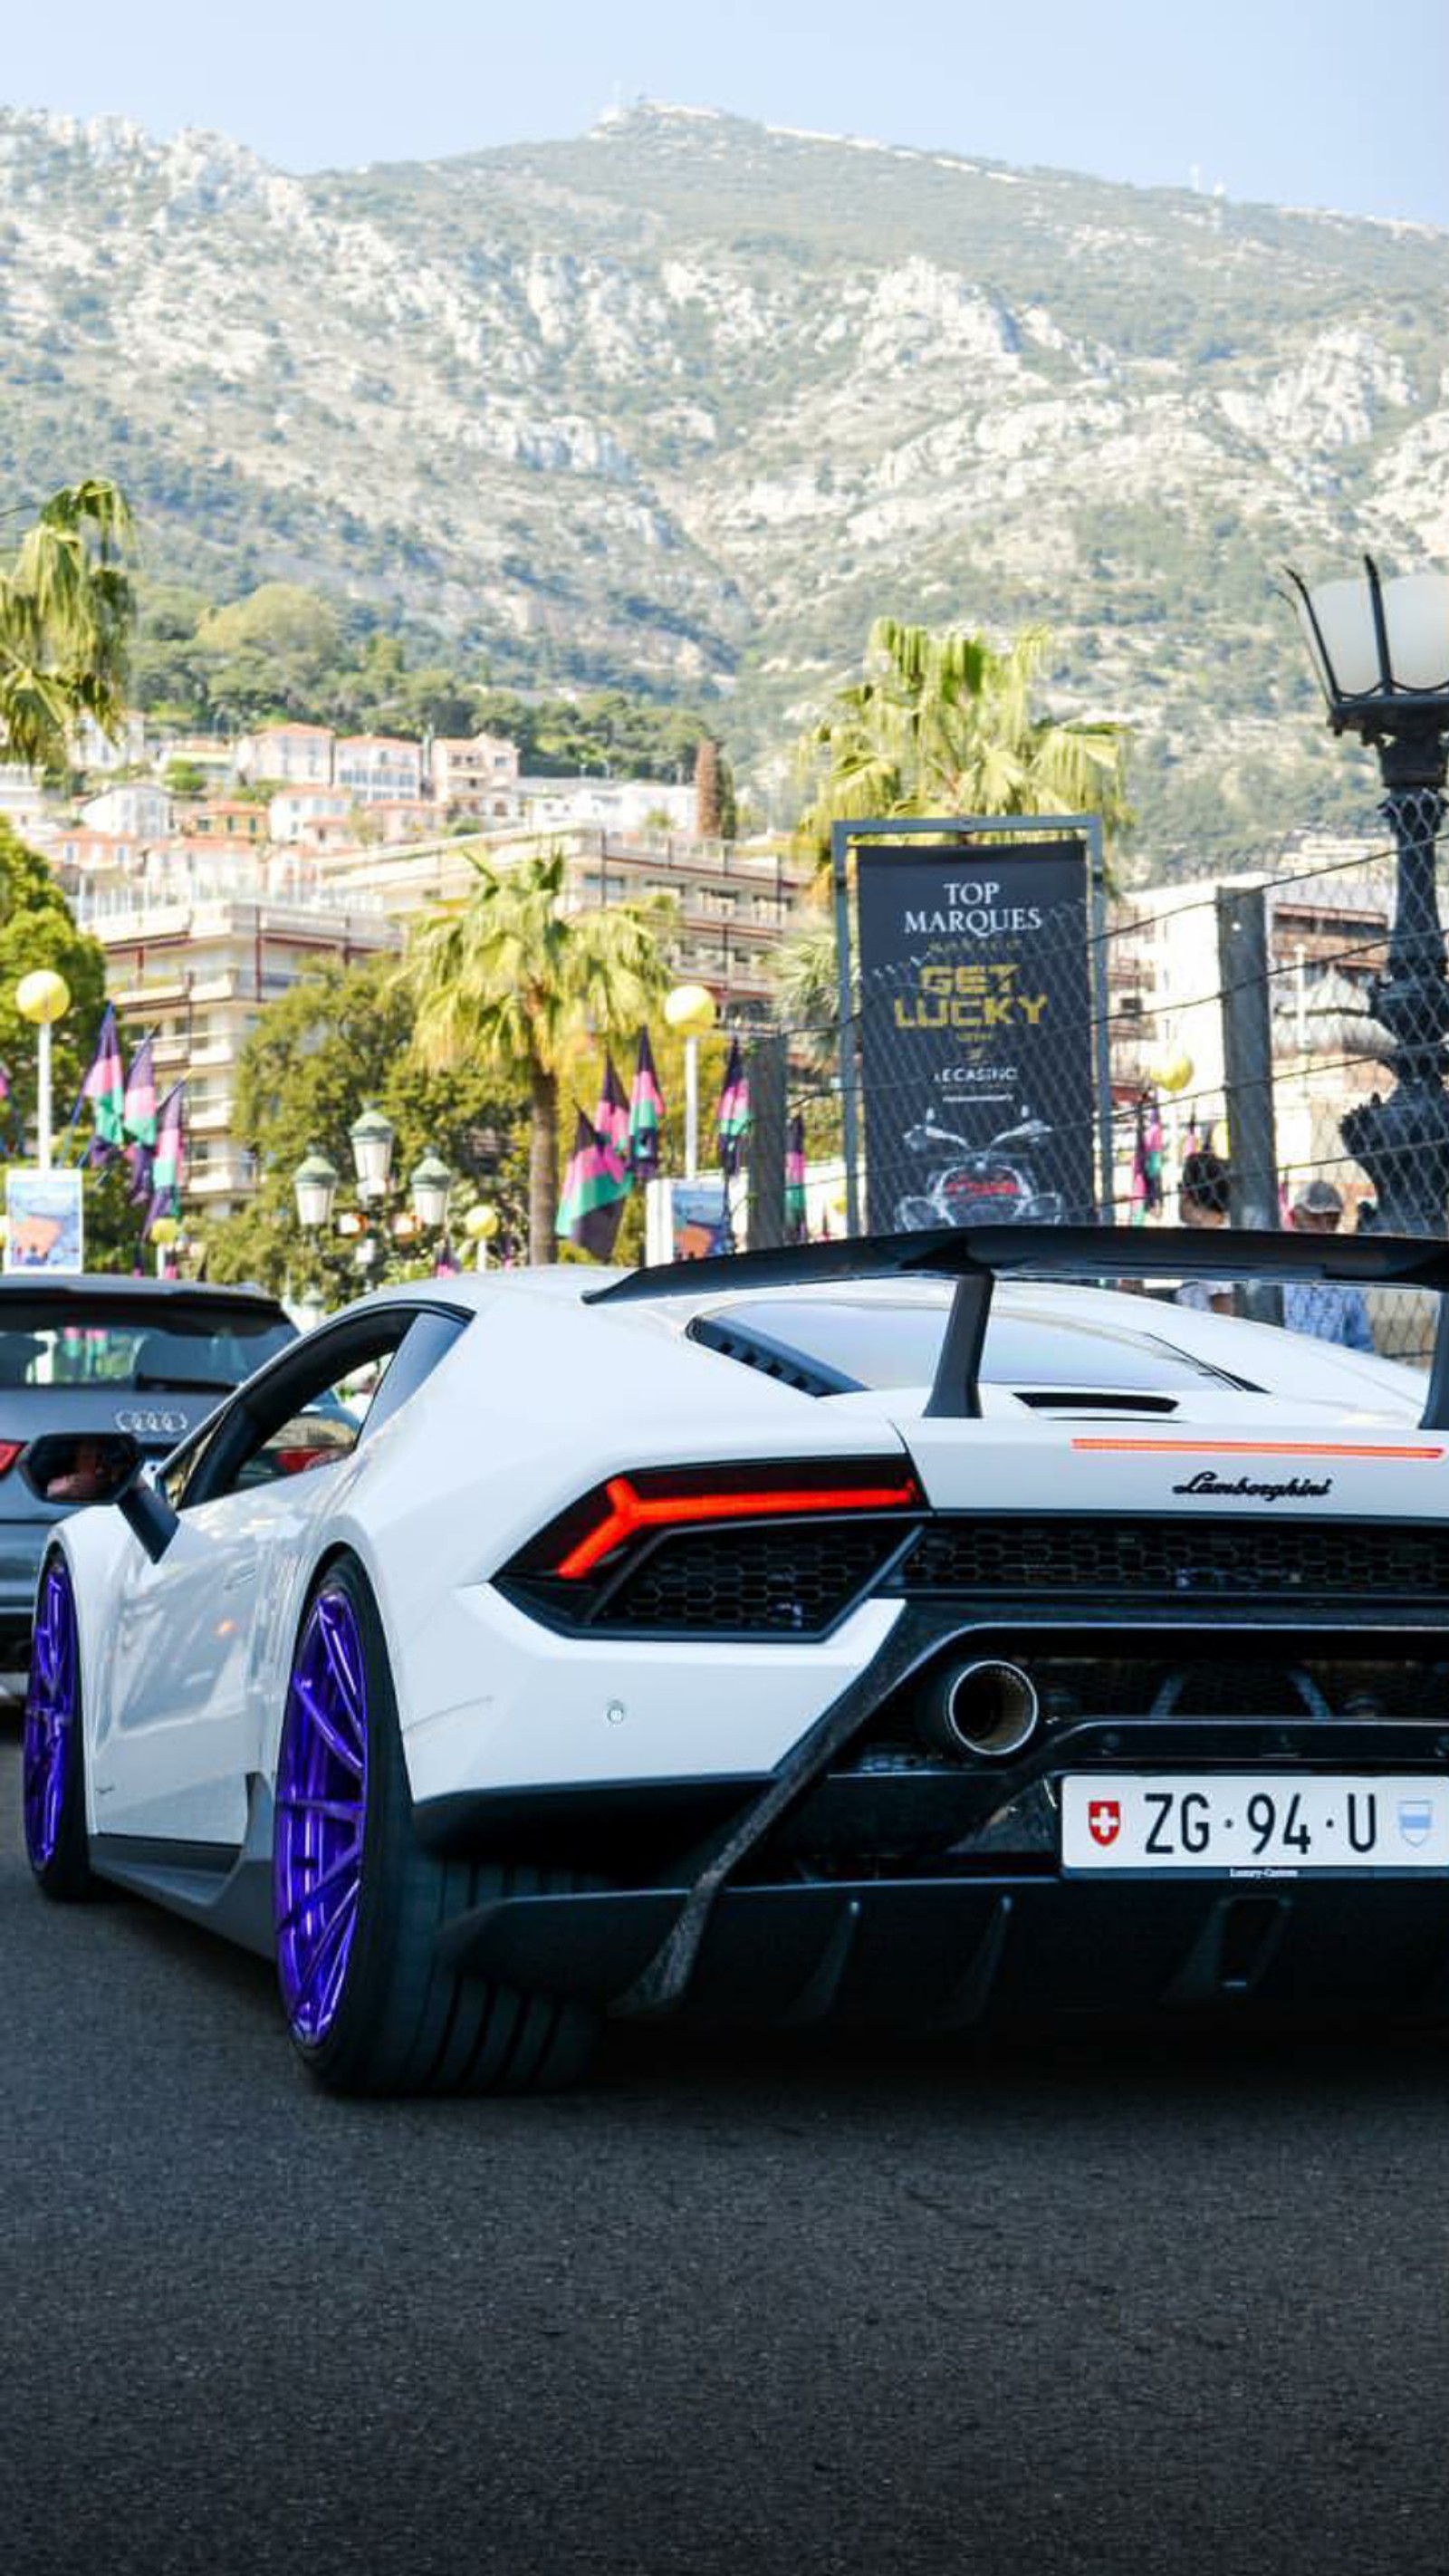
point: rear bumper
(942, 1954)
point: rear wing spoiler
(977, 1256)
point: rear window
(884, 1342)
(49, 1342)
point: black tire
(63, 1872)
(406, 2023)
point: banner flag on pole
(138, 1113)
(595, 1188)
(168, 1163)
(646, 1114)
(105, 1088)
(732, 1118)
(611, 1120)
(795, 1179)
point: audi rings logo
(152, 1426)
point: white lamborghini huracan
(789, 1637)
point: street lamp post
(690, 1008)
(42, 998)
(1381, 652)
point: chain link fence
(1289, 1023)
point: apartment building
(293, 808)
(733, 903)
(194, 958)
(135, 806)
(375, 768)
(476, 776)
(294, 755)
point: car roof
(102, 1284)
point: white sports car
(794, 1636)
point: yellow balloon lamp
(43, 997)
(165, 1232)
(1173, 1075)
(481, 1222)
(691, 1009)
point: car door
(174, 1750)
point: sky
(1274, 100)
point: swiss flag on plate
(1104, 1820)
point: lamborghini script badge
(1294, 1489)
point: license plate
(1253, 1824)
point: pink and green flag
(138, 1109)
(646, 1114)
(168, 1163)
(105, 1088)
(596, 1185)
(611, 1119)
(795, 1179)
(732, 1118)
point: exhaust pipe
(984, 1711)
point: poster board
(976, 1034)
(44, 1220)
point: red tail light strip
(629, 1512)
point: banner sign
(43, 1220)
(976, 1049)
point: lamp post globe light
(431, 1184)
(1381, 652)
(314, 1185)
(371, 1137)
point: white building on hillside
(377, 768)
(295, 755)
(606, 804)
(292, 808)
(476, 776)
(137, 807)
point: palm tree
(66, 607)
(512, 981)
(944, 724)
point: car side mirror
(144, 1509)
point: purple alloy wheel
(321, 1814)
(50, 1708)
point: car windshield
(139, 1342)
(885, 1342)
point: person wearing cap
(1318, 1307)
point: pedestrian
(1202, 1201)
(1319, 1307)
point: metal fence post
(1242, 911)
(765, 1225)
(840, 840)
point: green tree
(334, 1044)
(513, 981)
(270, 654)
(66, 610)
(945, 724)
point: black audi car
(96, 1374)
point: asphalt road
(1097, 2306)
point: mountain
(687, 401)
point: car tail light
(580, 1568)
(10, 1450)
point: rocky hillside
(689, 400)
